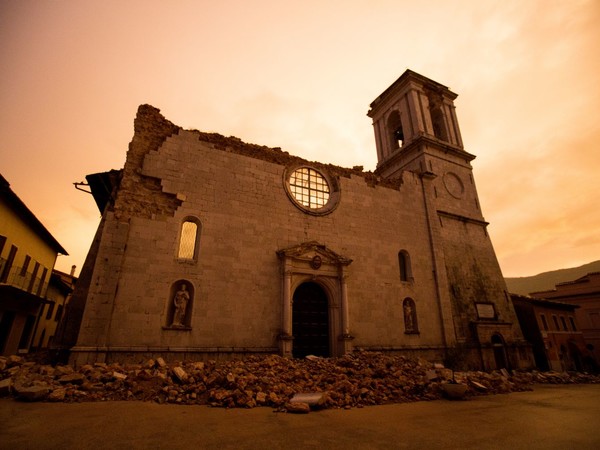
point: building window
(59, 312)
(405, 266)
(8, 264)
(410, 316)
(188, 240)
(573, 327)
(309, 188)
(555, 320)
(544, 322)
(50, 311)
(313, 191)
(563, 322)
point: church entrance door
(499, 351)
(310, 321)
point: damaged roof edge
(102, 185)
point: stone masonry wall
(237, 193)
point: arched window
(394, 126)
(411, 325)
(188, 239)
(437, 120)
(404, 265)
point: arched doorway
(499, 351)
(310, 321)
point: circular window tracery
(311, 190)
(309, 187)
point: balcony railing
(23, 281)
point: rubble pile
(355, 380)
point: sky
(301, 76)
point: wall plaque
(485, 311)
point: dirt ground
(549, 417)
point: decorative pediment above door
(313, 256)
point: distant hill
(547, 280)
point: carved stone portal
(314, 262)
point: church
(212, 248)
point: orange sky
(301, 76)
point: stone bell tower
(416, 130)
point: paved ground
(550, 417)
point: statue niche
(179, 307)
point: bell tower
(416, 130)
(414, 119)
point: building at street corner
(209, 247)
(584, 293)
(552, 328)
(28, 253)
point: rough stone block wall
(237, 193)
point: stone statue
(180, 301)
(408, 317)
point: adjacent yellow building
(28, 253)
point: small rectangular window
(564, 323)
(544, 322)
(573, 327)
(59, 312)
(555, 320)
(8, 264)
(50, 311)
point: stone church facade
(211, 248)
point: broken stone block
(57, 395)
(297, 408)
(5, 387)
(431, 375)
(454, 391)
(32, 393)
(72, 378)
(273, 397)
(161, 362)
(445, 373)
(479, 386)
(311, 398)
(180, 374)
(63, 370)
(119, 376)
(14, 360)
(261, 398)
